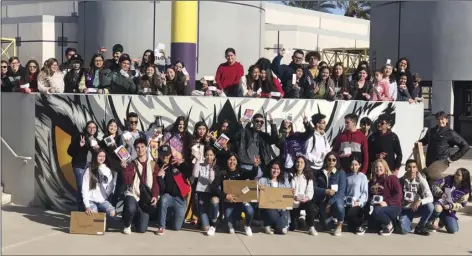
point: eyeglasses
(298, 58)
(133, 122)
(333, 160)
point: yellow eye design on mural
(63, 159)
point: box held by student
(245, 191)
(81, 223)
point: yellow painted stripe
(184, 21)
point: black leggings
(311, 212)
(354, 217)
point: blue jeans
(385, 215)
(178, 205)
(450, 222)
(233, 212)
(337, 211)
(102, 207)
(278, 219)
(407, 216)
(133, 213)
(79, 175)
(207, 209)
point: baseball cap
(164, 150)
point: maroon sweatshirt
(358, 144)
(389, 187)
(130, 170)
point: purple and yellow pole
(184, 36)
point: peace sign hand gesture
(82, 141)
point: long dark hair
(27, 69)
(92, 67)
(195, 129)
(325, 160)
(151, 58)
(93, 173)
(267, 173)
(108, 124)
(86, 132)
(250, 80)
(307, 171)
(268, 84)
(340, 81)
(465, 184)
(398, 64)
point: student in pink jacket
(380, 90)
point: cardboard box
(81, 223)
(418, 155)
(245, 191)
(276, 198)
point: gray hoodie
(420, 188)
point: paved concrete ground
(35, 231)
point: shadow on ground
(58, 221)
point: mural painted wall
(59, 117)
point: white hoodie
(316, 154)
(103, 189)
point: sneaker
(312, 231)
(211, 231)
(386, 231)
(361, 230)
(422, 231)
(284, 231)
(127, 230)
(160, 232)
(338, 232)
(248, 231)
(268, 230)
(231, 228)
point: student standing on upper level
(229, 73)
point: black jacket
(78, 153)
(238, 174)
(441, 141)
(246, 135)
(387, 143)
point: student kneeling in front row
(140, 171)
(98, 185)
(418, 200)
(172, 177)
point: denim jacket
(264, 181)
(337, 177)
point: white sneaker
(284, 231)
(312, 231)
(127, 230)
(231, 228)
(268, 230)
(211, 231)
(248, 231)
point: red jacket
(389, 188)
(228, 76)
(278, 86)
(130, 170)
(358, 144)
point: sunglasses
(133, 122)
(258, 121)
(332, 160)
(382, 123)
(4, 66)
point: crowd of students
(353, 184)
(267, 79)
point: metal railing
(24, 158)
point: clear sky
(334, 11)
